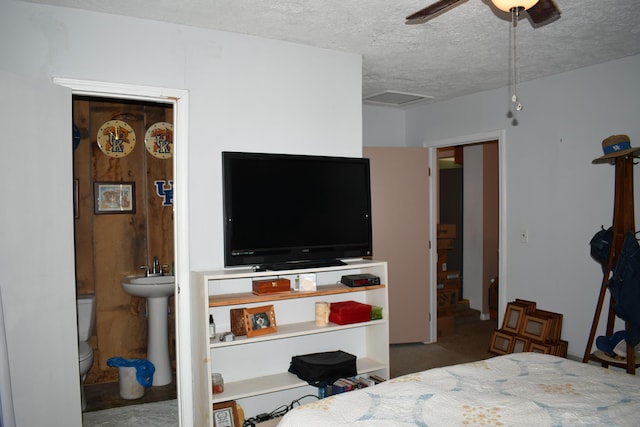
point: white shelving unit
(255, 369)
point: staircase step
(463, 303)
(464, 314)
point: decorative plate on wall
(116, 138)
(159, 140)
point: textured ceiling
(462, 51)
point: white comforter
(523, 389)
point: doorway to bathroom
(115, 235)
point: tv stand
(302, 265)
(255, 368)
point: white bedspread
(523, 389)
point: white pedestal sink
(157, 291)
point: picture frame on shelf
(114, 197)
(260, 320)
(225, 414)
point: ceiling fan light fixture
(507, 5)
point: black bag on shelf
(322, 369)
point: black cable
(297, 401)
(278, 412)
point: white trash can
(130, 388)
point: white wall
(552, 189)
(473, 225)
(384, 127)
(245, 93)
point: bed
(522, 389)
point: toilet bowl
(85, 357)
(86, 317)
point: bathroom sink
(157, 290)
(149, 287)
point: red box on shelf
(345, 312)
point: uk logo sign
(165, 191)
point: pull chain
(515, 13)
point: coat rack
(618, 152)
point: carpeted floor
(157, 414)
(469, 343)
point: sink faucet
(157, 269)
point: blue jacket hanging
(625, 287)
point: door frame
(180, 100)
(500, 136)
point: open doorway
(468, 233)
(123, 147)
(180, 100)
(473, 204)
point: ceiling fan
(540, 12)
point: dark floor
(469, 343)
(105, 396)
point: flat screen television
(286, 211)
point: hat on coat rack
(616, 146)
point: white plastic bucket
(130, 388)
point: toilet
(86, 317)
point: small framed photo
(501, 343)
(555, 324)
(513, 318)
(260, 320)
(305, 283)
(520, 345)
(225, 414)
(536, 327)
(114, 197)
(537, 347)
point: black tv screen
(283, 211)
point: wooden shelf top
(249, 298)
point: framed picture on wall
(114, 197)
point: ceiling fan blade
(432, 9)
(543, 12)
